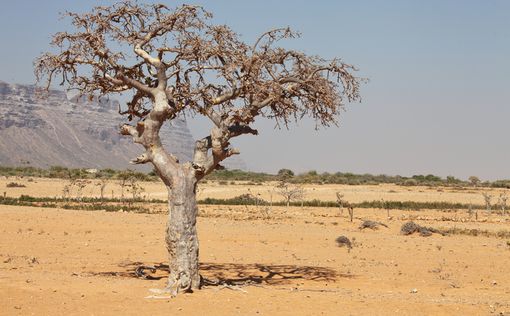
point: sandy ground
(64, 262)
(327, 192)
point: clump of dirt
(411, 228)
(371, 224)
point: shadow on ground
(232, 273)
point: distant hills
(51, 130)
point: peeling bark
(181, 234)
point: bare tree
(176, 63)
(124, 178)
(66, 190)
(340, 202)
(386, 205)
(503, 198)
(344, 203)
(103, 182)
(270, 191)
(135, 187)
(350, 208)
(475, 181)
(80, 184)
(290, 192)
(471, 211)
(487, 198)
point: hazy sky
(437, 101)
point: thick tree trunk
(181, 235)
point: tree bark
(181, 234)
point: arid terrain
(266, 260)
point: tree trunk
(181, 235)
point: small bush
(411, 228)
(343, 241)
(477, 232)
(15, 185)
(372, 225)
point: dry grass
(212, 189)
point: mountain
(48, 129)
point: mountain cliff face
(47, 130)
(44, 130)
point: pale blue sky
(437, 101)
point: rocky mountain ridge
(47, 129)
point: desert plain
(259, 260)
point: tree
(487, 198)
(135, 187)
(103, 182)
(344, 203)
(285, 174)
(124, 178)
(175, 62)
(340, 201)
(452, 180)
(475, 181)
(290, 192)
(80, 184)
(503, 198)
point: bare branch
(174, 54)
(143, 158)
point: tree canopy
(174, 61)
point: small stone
(414, 291)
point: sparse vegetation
(15, 185)
(487, 198)
(339, 201)
(387, 207)
(476, 232)
(343, 241)
(472, 211)
(103, 182)
(474, 180)
(394, 205)
(290, 192)
(135, 188)
(350, 208)
(503, 198)
(88, 204)
(344, 203)
(374, 225)
(58, 172)
(311, 177)
(411, 228)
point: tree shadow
(233, 273)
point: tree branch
(178, 53)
